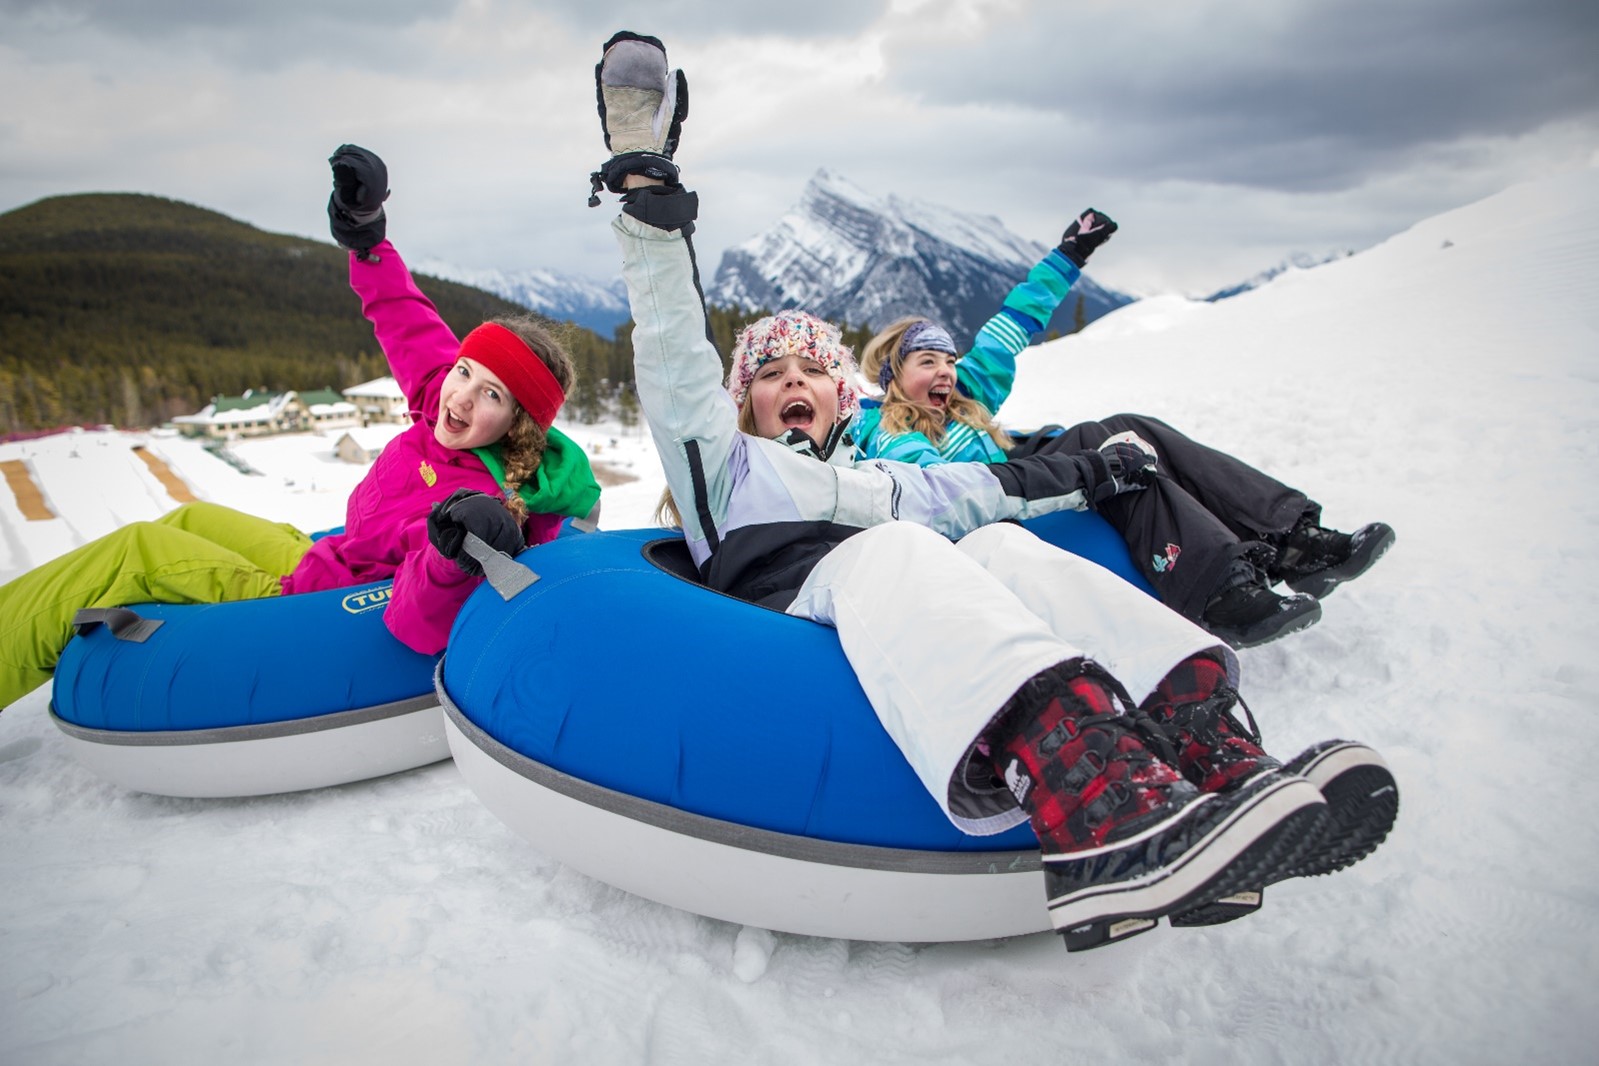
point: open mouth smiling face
(928, 377)
(475, 409)
(453, 424)
(793, 392)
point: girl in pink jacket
(481, 457)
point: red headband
(506, 356)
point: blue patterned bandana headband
(922, 336)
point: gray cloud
(254, 29)
(674, 20)
(250, 36)
(1308, 96)
(156, 18)
(1223, 134)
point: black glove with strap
(469, 511)
(1111, 475)
(642, 106)
(355, 210)
(1087, 232)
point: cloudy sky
(1223, 134)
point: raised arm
(676, 369)
(414, 339)
(987, 373)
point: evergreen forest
(128, 309)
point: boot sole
(1285, 622)
(1362, 806)
(1223, 910)
(1253, 846)
(1363, 558)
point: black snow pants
(1202, 510)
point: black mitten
(1087, 232)
(642, 106)
(1111, 471)
(468, 511)
(355, 210)
(1133, 462)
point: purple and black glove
(1088, 231)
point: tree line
(129, 309)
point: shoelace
(1203, 718)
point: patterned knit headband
(793, 333)
(922, 336)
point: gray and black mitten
(1116, 467)
(642, 106)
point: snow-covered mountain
(849, 256)
(1297, 261)
(594, 304)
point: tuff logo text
(368, 600)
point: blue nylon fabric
(250, 662)
(253, 662)
(618, 673)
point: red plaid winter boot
(1193, 707)
(1125, 839)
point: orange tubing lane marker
(163, 473)
(30, 501)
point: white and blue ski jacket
(756, 515)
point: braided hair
(523, 444)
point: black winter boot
(1245, 612)
(1362, 805)
(1314, 560)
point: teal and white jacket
(986, 374)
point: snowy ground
(1446, 382)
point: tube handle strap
(123, 623)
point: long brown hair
(523, 445)
(901, 414)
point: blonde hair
(901, 414)
(523, 445)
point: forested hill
(129, 309)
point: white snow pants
(941, 635)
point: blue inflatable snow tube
(250, 662)
(617, 669)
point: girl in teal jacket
(1212, 534)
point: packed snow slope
(398, 921)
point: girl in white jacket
(1020, 682)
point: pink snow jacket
(385, 526)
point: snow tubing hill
(250, 698)
(640, 728)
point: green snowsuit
(199, 553)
